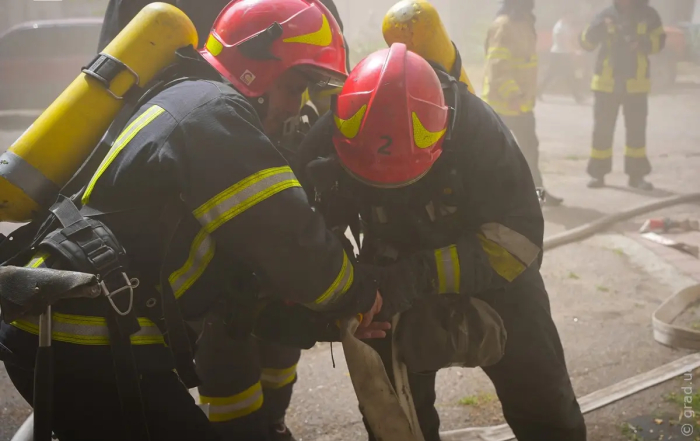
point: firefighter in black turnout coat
(449, 195)
(196, 151)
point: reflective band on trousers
(234, 406)
(222, 208)
(601, 154)
(447, 264)
(27, 178)
(89, 331)
(508, 251)
(124, 138)
(278, 378)
(638, 153)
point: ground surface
(603, 290)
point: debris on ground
(666, 225)
(693, 250)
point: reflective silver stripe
(514, 242)
(30, 180)
(278, 378)
(220, 209)
(87, 330)
(235, 406)
(246, 403)
(201, 253)
(242, 196)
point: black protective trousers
(88, 410)
(524, 128)
(635, 108)
(247, 382)
(531, 379)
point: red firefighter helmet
(253, 42)
(390, 118)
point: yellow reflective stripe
(322, 37)
(640, 84)
(338, 288)
(213, 45)
(222, 208)
(38, 260)
(277, 378)
(584, 40)
(503, 263)
(304, 98)
(639, 152)
(201, 253)
(512, 241)
(448, 271)
(126, 136)
(527, 107)
(601, 154)
(607, 74)
(601, 84)
(234, 406)
(604, 82)
(508, 88)
(423, 137)
(499, 53)
(243, 195)
(655, 37)
(350, 127)
(89, 331)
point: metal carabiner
(131, 284)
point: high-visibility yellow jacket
(510, 81)
(626, 42)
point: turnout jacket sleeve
(500, 60)
(504, 227)
(248, 201)
(654, 41)
(594, 34)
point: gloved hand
(404, 282)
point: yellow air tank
(417, 24)
(47, 155)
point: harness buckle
(130, 285)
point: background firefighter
(462, 218)
(234, 370)
(627, 32)
(510, 79)
(200, 142)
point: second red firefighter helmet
(390, 118)
(253, 42)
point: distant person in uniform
(627, 33)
